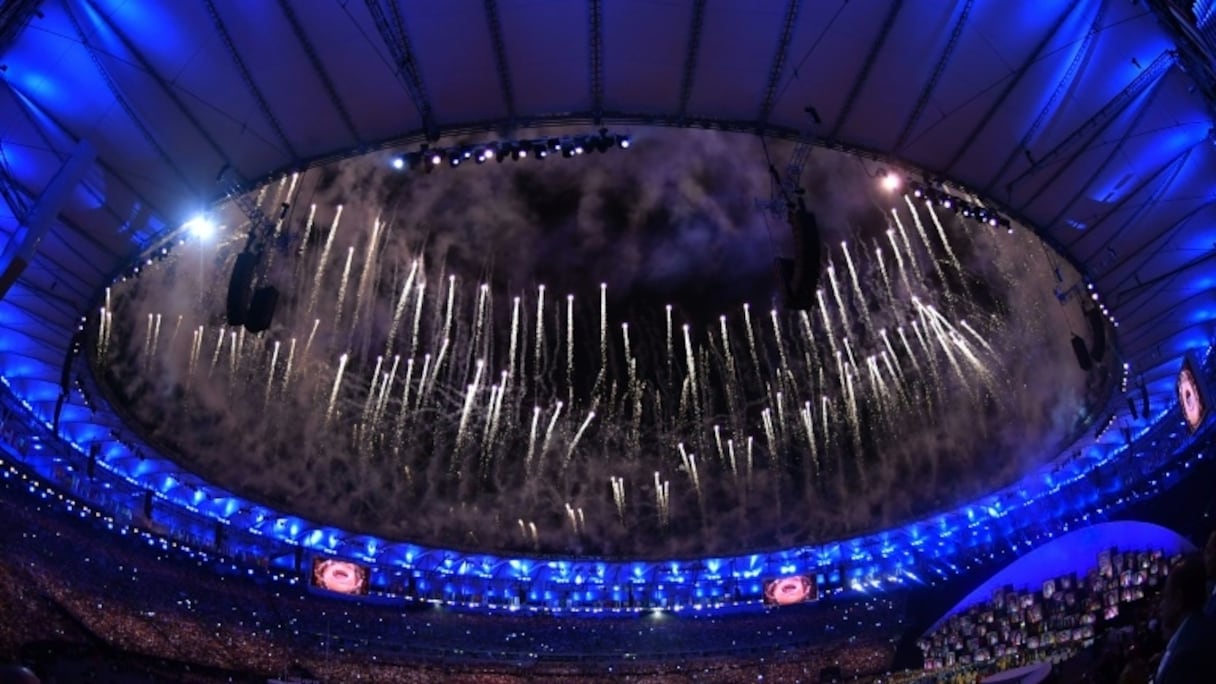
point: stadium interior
(777, 340)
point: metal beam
(398, 43)
(258, 97)
(13, 199)
(1079, 57)
(1010, 86)
(1171, 174)
(14, 16)
(1093, 132)
(126, 106)
(500, 57)
(1146, 292)
(691, 52)
(319, 69)
(47, 300)
(942, 62)
(596, 12)
(105, 166)
(778, 65)
(1159, 242)
(165, 86)
(1149, 76)
(867, 66)
(1093, 177)
(27, 194)
(23, 328)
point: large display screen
(339, 576)
(784, 591)
(1190, 395)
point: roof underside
(1072, 116)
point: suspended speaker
(1131, 406)
(1097, 325)
(240, 286)
(261, 309)
(800, 275)
(1082, 352)
(148, 504)
(1143, 399)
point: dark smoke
(671, 221)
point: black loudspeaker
(261, 309)
(1143, 399)
(800, 275)
(148, 504)
(1082, 352)
(240, 287)
(1097, 325)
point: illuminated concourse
(586, 315)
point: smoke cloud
(937, 369)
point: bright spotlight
(398, 163)
(890, 182)
(200, 227)
(435, 160)
(488, 153)
(624, 142)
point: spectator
(1190, 653)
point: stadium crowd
(90, 598)
(80, 592)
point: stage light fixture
(890, 181)
(200, 227)
(624, 142)
(398, 163)
(454, 160)
(435, 159)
